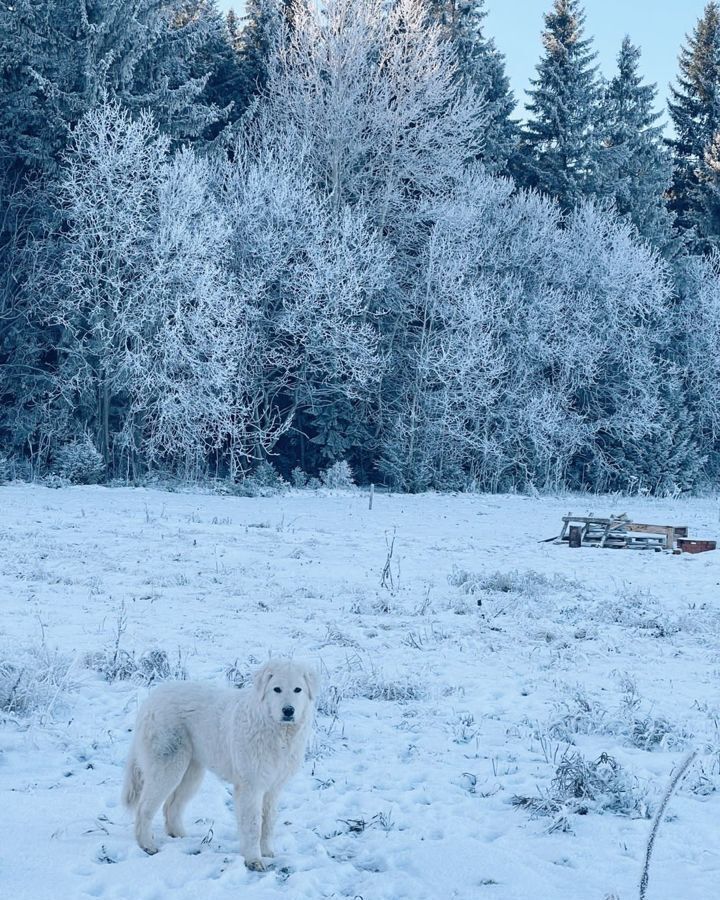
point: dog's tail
(132, 783)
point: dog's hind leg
(248, 807)
(177, 801)
(160, 778)
(269, 816)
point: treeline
(319, 236)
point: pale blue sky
(658, 26)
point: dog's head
(286, 690)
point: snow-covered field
(436, 711)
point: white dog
(254, 738)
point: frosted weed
(580, 786)
(115, 663)
(31, 680)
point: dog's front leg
(248, 808)
(268, 823)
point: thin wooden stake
(372, 494)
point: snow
(435, 713)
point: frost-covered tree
(263, 25)
(194, 360)
(27, 133)
(642, 168)
(707, 213)
(216, 62)
(370, 97)
(107, 196)
(368, 102)
(314, 277)
(534, 429)
(481, 66)
(65, 56)
(697, 338)
(614, 308)
(24, 379)
(59, 59)
(30, 138)
(157, 350)
(695, 112)
(232, 23)
(438, 435)
(536, 353)
(562, 147)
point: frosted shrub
(116, 664)
(31, 680)
(5, 469)
(55, 482)
(464, 728)
(578, 714)
(657, 733)
(600, 784)
(328, 703)
(705, 777)
(80, 462)
(528, 583)
(376, 685)
(580, 786)
(299, 478)
(155, 665)
(264, 481)
(338, 475)
(334, 635)
(238, 675)
(636, 608)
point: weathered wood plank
(671, 532)
(596, 520)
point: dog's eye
(297, 690)
(278, 690)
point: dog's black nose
(288, 711)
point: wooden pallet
(618, 532)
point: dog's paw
(255, 865)
(176, 832)
(267, 852)
(151, 849)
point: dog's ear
(312, 681)
(262, 678)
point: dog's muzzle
(288, 714)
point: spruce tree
(706, 236)
(263, 22)
(34, 46)
(641, 166)
(217, 61)
(160, 59)
(481, 67)
(31, 137)
(562, 150)
(232, 24)
(695, 112)
(61, 58)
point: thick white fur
(242, 736)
